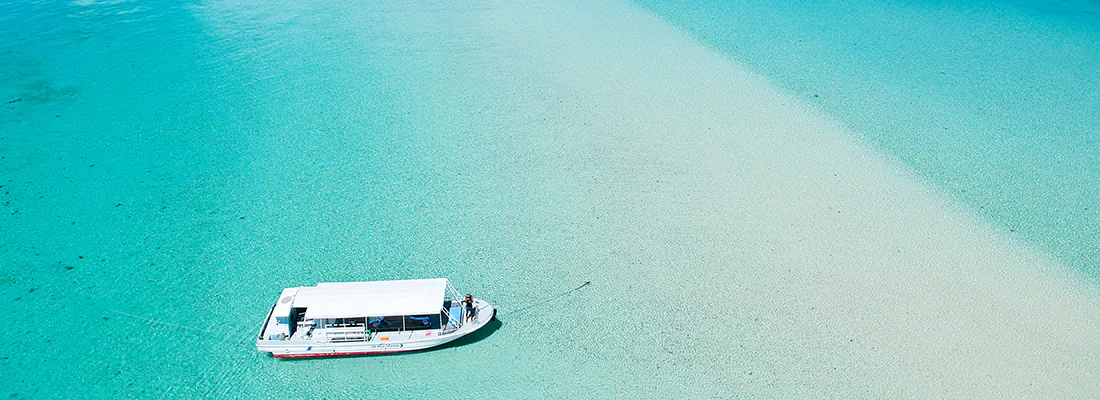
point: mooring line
(567, 292)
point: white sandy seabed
(790, 246)
(739, 242)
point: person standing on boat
(471, 312)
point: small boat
(358, 318)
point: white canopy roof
(372, 299)
(282, 308)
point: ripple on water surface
(172, 166)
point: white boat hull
(396, 343)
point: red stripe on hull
(343, 354)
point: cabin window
(416, 322)
(283, 320)
(385, 324)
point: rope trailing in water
(567, 292)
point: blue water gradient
(167, 167)
(997, 103)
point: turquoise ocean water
(167, 167)
(995, 102)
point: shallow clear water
(995, 102)
(180, 163)
(168, 167)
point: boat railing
(267, 320)
(350, 334)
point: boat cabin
(365, 311)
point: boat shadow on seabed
(476, 336)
